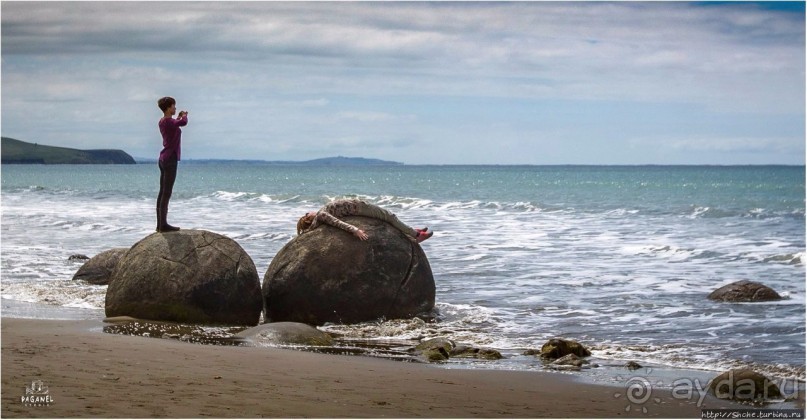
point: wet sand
(92, 374)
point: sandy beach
(92, 374)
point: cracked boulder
(329, 275)
(188, 276)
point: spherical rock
(329, 275)
(189, 276)
(743, 385)
(98, 269)
(744, 291)
(287, 333)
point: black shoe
(167, 228)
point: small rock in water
(78, 257)
(570, 360)
(435, 350)
(476, 352)
(744, 291)
(558, 347)
(287, 333)
(633, 365)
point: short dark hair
(165, 102)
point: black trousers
(168, 174)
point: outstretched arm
(325, 217)
(180, 121)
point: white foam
(510, 274)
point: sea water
(618, 258)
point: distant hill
(16, 151)
(341, 160)
(335, 161)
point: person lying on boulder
(331, 212)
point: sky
(421, 83)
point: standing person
(169, 157)
(331, 212)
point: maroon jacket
(172, 137)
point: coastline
(93, 374)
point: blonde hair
(304, 224)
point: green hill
(16, 151)
(333, 161)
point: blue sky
(420, 83)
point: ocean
(620, 258)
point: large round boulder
(329, 275)
(190, 276)
(743, 385)
(744, 291)
(98, 269)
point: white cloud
(312, 69)
(370, 116)
(308, 103)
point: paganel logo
(37, 395)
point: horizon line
(393, 163)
